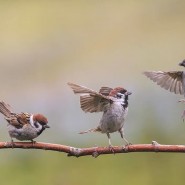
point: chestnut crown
(120, 90)
(40, 118)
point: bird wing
(105, 90)
(90, 100)
(18, 120)
(171, 81)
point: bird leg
(12, 143)
(110, 145)
(33, 142)
(121, 131)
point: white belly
(113, 119)
(25, 133)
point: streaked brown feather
(91, 101)
(5, 109)
(105, 90)
(78, 89)
(164, 82)
(171, 81)
(17, 120)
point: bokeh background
(45, 44)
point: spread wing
(90, 100)
(171, 81)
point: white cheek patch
(123, 97)
(31, 121)
(35, 125)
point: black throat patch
(125, 104)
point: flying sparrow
(23, 126)
(174, 81)
(112, 102)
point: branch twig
(96, 151)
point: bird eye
(119, 95)
(36, 125)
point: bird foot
(95, 154)
(12, 144)
(155, 143)
(126, 147)
(33, 142)
(111, 149)
(128, 144)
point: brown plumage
(91, 101)
(5, 109)
(17, 120)
(23, 126)
(172, 80)
(105, 91)
(40, 118)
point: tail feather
(91, 130)
(5, 109)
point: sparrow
(174, 81)
(112, 102)
(23, 126)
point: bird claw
(128, 144)
(111, 149)
(125, 147)
(12, 144)
(155, 143)
(33, 142)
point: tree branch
(95, 151)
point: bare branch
(95, 151)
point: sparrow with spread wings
(112, 102)
(174, 81)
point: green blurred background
(45, 44)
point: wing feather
(105, 90)
(78, 89)
(171, 81)
(90, 100)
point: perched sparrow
(174, 81)
(112, 102)
(23, 126)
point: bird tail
(91, 130)
(5, 109)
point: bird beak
(128, 93)
(46, 126)
(182, 63)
